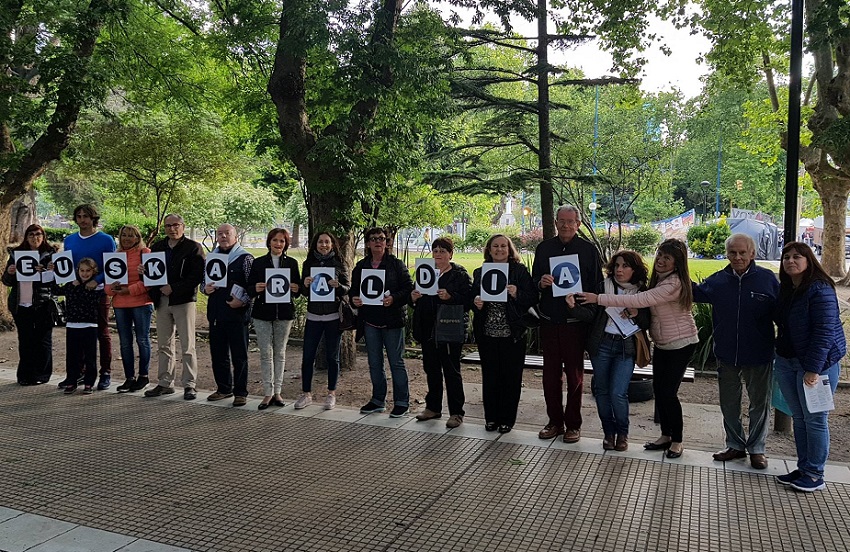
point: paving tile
(587, 445)
(528, 438)
(696, 458)
(340, 415)
(473, 431)
(437, 427)
(28, 530)
(142, 545)
(836, 474)
(382, 419)
(84, 539)
(307, 412)
(8, 513)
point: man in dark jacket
(228, 317)
(175, 307)
(743, 296)
(563, 338)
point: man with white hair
(743, 296)
(228, 317)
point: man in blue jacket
(743, 296)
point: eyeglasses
(561, 222)
(175, 225)
(34, 234)
(377, 239)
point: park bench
(536, 361)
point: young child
(81, 304)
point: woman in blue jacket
(809, 346)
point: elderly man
(175, 307)
(92, 243)
(562, 337)
(228, 317)
(743, 296)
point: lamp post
(526, 211)
(593, 207)
(706, 186)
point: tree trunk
(833, 193)
(22, 215)
(6, 322)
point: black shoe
(189, 394)
(674, 453)
(65, 383)
(104, 383)
(371, 408)
(141, 383)
(263, 406)
(491, 426)
(656, 446)
(159, 390)
(127, 386)
(277, 402)
(505, 428)
(399, 412)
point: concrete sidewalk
(131, 474)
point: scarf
(321, 258)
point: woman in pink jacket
(133, 310)
(673, 331)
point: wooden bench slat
(536, 361)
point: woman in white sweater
(673, 331)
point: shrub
(476, 238)
(57, 235)
(644, 240)
(147, 225)
(530, 240)
(708, 240)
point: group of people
(748, 304)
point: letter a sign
(566, 271)
(372, 283)
(216, 269)
(155, 271)
(277, 285)
(427, 277)
(320, 290)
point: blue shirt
(92, 247)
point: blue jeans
(138, 320)
(313, 331)
(612, 372)
(391, 339)
(811, 431)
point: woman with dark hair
(383, 324)
(272, 321)
(441, 360)
(809, 347)
(501, 335)
(322, 317)
(669, 299)
(133, 311)
(611, 351)
(31, 305)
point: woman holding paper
(611, 345)
(441, 360)
(31, 305)
(272, 321)
(809, 346)
(322, 316)
(669, 299)
(133, 311)
(501, 335)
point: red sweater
(138, 292)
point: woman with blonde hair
(133, 311)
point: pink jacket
(670, 323)
(138, 292)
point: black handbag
(450, 326)
(347, 317)
(57, 312)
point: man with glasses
(563, 337)
(175, 307)
(92, 243)
(743, 298)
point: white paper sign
(819, 398)
(320, 290)
(63, 267)
(26, 266)
(156, 273)
(427, 277)
(494, 282)
(372, 284)
(277, 285)
(115, 268)
(215, 270)
(566, 271)
(626, 326)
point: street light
(526, 211)
(706, 186)
(593, 207)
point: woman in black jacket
(501, 335)
(441, 360)
(272, 321)
(322, 316)
(31, 305)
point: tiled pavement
(116, 472)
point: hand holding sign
(63, 267)
(320, 284)
(216, 270)
(372, 284)
(278, 289)
(494, 282)
(26, 266)
(566, 275)
(427, 277)
(155, 272)
(115, 268)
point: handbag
(347, 316)
(450, 325)
(57, 312)
(643, 355)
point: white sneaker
(305, 400)
(330, 402)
